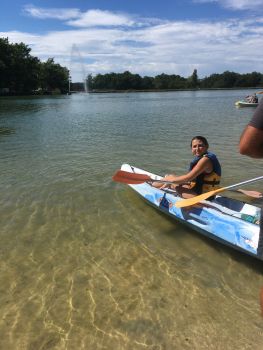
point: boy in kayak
(204, 172)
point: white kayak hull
(245, 104)
(229, 221)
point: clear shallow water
(84, 262)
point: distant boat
(246, 104)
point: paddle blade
(191, 201)
(130, 178)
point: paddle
(191, 201)
(133, 178)
(136, 179)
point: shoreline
(168, 90)
(131, 91)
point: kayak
(226, 220)
(246, 104)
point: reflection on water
(85, 263)
(6, 131)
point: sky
(146, 37)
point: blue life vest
(206, 182)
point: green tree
(24, 69)
(193, 81)
(252, 79)
(89, 82)
(147, 83)
(53, 76)
(127, 80)
(18, 69)
(161, 81)
(5, 54)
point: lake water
(84, 262)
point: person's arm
(204, 164)
(251, 142)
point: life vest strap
(214, 182)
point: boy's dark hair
(201, 138)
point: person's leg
(185, 192)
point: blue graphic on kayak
(164, 203)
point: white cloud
(93, 18)
(41, 13)
(175, 47)
(90, 18)
(236, 4)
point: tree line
(129, 81)
(22, 73)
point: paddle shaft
(137, 178)
(194, 200)
(243, 183)
(161, 181)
